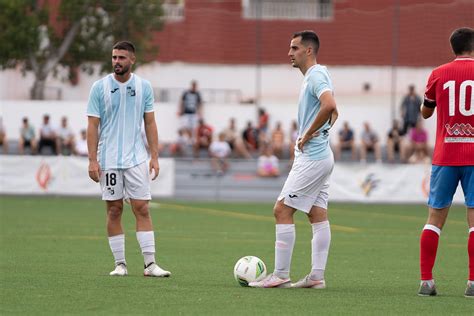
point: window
(288, 9)
(173, 10)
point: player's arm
(181, 105)
(151, 132)
(326, 111)
(199, 106)
(92, 144)
(427, 108)
(429, 103)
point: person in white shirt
(306, 188)
(220, 151)
(48, 137)
(80, 146)
(119, 104)
(65, 138)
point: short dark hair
(125, 45)
(462, 40)
(309, 38)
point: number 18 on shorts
(132, 183)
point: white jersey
(220, 149)
(316, 82)
(121, 108)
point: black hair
(125, 45)
(462, 40)
(309, 38)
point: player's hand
(303, 140)
(94, 171)
(154, 168)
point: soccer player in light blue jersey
(306, 187)
(119, 104)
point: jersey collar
(464, 58)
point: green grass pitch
(55, 260)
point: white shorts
(308, 184)
(131, 183)
(189, 121)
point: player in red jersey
(450, 90)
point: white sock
(285, 241)
(320, 249)
(117, 245)
(147, 244)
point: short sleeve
(148, 98)
(319, 83)
(93, 105)
(430, 92)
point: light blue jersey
(316, 82)
(120, 107)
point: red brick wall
(361, 33)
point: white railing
(290, 10)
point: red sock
(428, 248)
(470, 251)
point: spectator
(234, 140)
(268, 163)
(369, 143)
(346, 142)
(3, 137)
(190, 109)
(203, 137)
(80, 147)
(250, 137)
(262, 127)
(183, 142)
(48, 137)
(395, 142)
(410, 109)
(65, 138)
(418, 148)
(219, 151)
(278, 140)
(27, 138)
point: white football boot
(307, 282)
(153, 270)
(120, 270)
(271, 281)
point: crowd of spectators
(47, 140)
(406, 141)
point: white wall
(278, 82)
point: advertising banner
(66, 175)
(382, 183)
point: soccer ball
(249, 269)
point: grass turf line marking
(405, 218)
(216, 212)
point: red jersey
(450, 89)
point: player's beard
(121, 71)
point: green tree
(40, 36)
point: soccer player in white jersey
(306, 187)
(119, 104)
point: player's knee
(142, 211)
(280, 213)
(114, 212)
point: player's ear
(133, 58)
